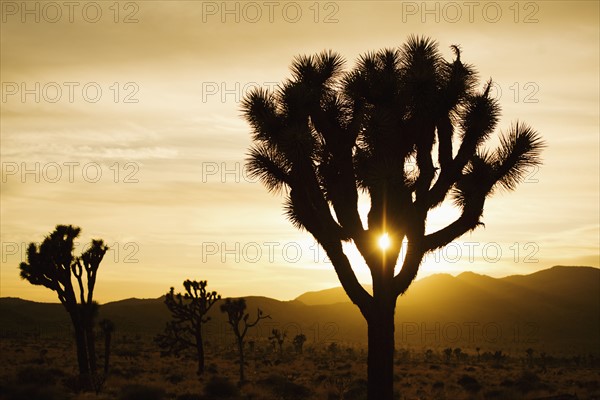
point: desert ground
(45, 368)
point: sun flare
(384, 241)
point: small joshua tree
(52, 264)
(299, 342)
(428, 355)
(448, 354)
(529, 353)
(498, 357)
(189, 311)
(278, 337)
(458, 354)
(238, 319)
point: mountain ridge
(556, 309)
(309, 297)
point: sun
(384, 241)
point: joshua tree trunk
(381, 352)
(84, 340)
(241, 351)
(107, 339)
(107, 328)
(81, 342)
(91, 349)
(200, 351)
(82, 351)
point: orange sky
(124, 120)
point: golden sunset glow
(129, 127)
(384, 242)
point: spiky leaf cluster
(238, 318)
(52, 264)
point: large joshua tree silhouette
(406, 128)
(189, 311)
(53, 265)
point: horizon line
(330, 288)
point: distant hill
(327, 296)
(555, 310)
(555, 280)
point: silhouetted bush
(38, 376)
(528, 381)
(320, 379)
(469, 383)
(507, 383)
(189, 396)
(344, 366)
(219, 388)
(141, 392)
(175, 378)
(31, 392)
(501, 394)
(212, 368)
(128, 353)
(131, 371)
(357, 390)
(83, 383)
(284, 389)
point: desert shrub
(175, 378)
(116, 371)
(507, 383)
(219, 387)
(132, 371)
(39, 376)
(284, 389)
(141, 392)
(590, 385)
(323, 365)
(357, 390)
(320, 378)
(29, 392)
(127, 353)
(344, 366)
(212, 368)
(527, 381)
(189, 396)
(469, 383)
(500, 394)
(82, 383)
